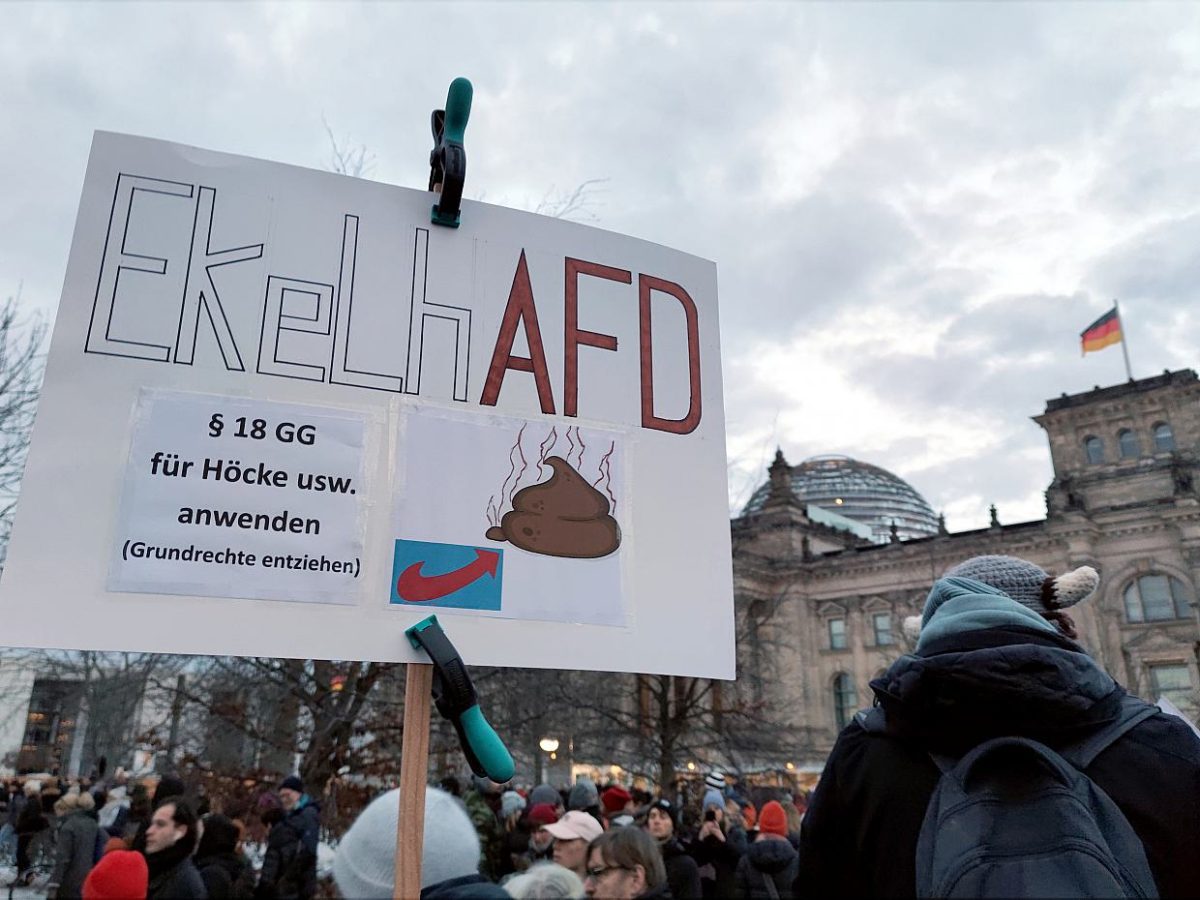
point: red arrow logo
(416, 588)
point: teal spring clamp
(448, 160)
(456, 700)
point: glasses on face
(600, 871)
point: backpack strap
(1081, 754)
(769, 880)
(1132, 713)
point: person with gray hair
(545, 881)
(624, 864)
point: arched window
(1156, 598)
(1164, 438)
(1094, 448)
(1128, 442)
(845, 699)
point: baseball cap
(576, 825)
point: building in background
(1124, 499)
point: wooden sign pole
(414, 767)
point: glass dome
(858, 491)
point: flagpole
(1124, 339)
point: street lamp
(547, 745)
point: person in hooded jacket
(769, 867)
(75, 845)
(225, 873)
(718, 847)
(289, 868)
(683, 875)
(996, 656)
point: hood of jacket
(967, 686)
(771, 857)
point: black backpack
(1014, 818)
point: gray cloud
(928, 200)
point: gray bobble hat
(1029, 584)
(584, 795)
(364, 864)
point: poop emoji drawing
(562, 516)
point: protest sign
(284, 415)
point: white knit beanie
(365, 861)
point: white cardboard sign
(285, 415)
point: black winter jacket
(289, 868)
(723, 856)
(180, 882)
(683, 875)
(859, 835)
(226, 876)
(776, 860)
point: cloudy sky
(914, 208)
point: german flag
(1104, 332)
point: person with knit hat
(289, 869)
(994, 658)
(616, 800)
(683, 874)
(584, 796)
(547, 793)
(718, 847)
(364, 864)
(119, 875)
(769, 867)
(540, 846)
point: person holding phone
(718, 848)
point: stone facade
(1131, 509)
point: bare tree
(650, 725)
(346, 157)
(21, 366)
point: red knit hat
(615, 798)
(120, 875)
(542, 814)
(749, 816)
(772, 819)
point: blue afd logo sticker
(448, 575)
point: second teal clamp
(455, 698)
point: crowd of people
(607, 842)
(999, 759)
(108, 841)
